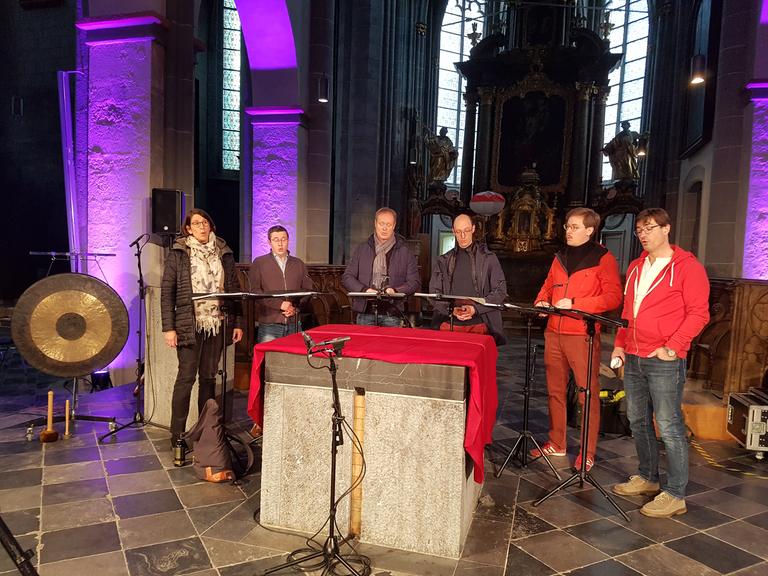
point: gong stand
(70, 325)
(138, 415)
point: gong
(69, 325)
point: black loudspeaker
(167, 210)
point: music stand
(375, 298)
(453, 298)
(581, 475)
(330, 552)
(520, 449)
(229, 437)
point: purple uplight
(268, 34)
(764, 13)
(755, 264)
(275, 181)
(267, 111)
(89, 24)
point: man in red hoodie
(585, 276)
(666, 301)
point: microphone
(333, 342)
(308, 341)
(135, 242)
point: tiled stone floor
(121, 508)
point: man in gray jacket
(383, 263)
(469, 269)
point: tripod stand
(581, 475)
(330, 553)
(520, 449)
(20, 557)
(138, 416)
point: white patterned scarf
(207, 277)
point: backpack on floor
(211, 459)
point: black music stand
(520, 449)
(450, 298)
(581, 475)
(330, 552)
(376, 298)
(229, 437)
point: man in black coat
(383, 263)
(469, 269)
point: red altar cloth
(404, 346)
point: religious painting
(542, 25)
(532, 132)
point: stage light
(100, 380)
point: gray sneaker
(664, 506)
(637, 485)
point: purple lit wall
(756, 234)
(275, 180)
(119, 162)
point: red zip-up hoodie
(595, 285)
(673, 312)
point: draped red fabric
(406, 346)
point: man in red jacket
(666, 301)
(584, 276)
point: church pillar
(579, 146)
(124, 123)
(595, 176)
(482, 180)
(468, 151)
(755, 265)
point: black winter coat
(176, 304)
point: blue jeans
(655, 387)
(269, 332)
(384, 320)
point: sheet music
(376, 295)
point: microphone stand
(581, 475)
(375, 298)
(520, 449)
(330, 552)
(138, 416)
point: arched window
(627, 82)
(230, 87)
(454, 47)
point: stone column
(468, 150)
(124, 126)
(755, 264)
(579, 146)
(595, 176)
(482, 180)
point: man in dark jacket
(470, 269)
(278, 271)
(198, 262)
(383, 263)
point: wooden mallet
(49, 434)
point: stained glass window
(630, 36)
(230, 82)
(454, 47)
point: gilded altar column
(580, 145)
(468, 153)
(482, 180)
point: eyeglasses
(467, 232)
(200, 224)
(646, 229)
(573, 227)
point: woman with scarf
(199, 262)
